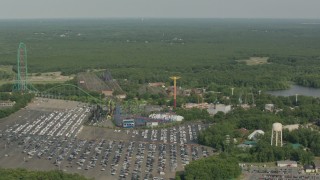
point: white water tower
(276, 136)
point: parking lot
(256, 173)
(53, 137)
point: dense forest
(201, 51)
(14, 174)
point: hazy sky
(160, 8)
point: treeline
(222, 73)
(309, 80)
(14, 174)
(21, 101)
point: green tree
(222, 167)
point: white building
(255, 134)
(291, 127)
(166, 117)
(7, 103)
(152, 124)
(269, 107)
(214, 109)
(287, 163)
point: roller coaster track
(21, 84)
(34, 90)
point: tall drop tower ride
(174, 78)
(22, 69)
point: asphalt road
(257, 173)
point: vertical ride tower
(175, 78)
(22, 69)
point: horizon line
(146, 18)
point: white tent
(255, 133)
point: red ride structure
(175, 78)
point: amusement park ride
(175, 78)
(127, 109)
(24, 86)
(22, 69)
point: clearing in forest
(255, 60)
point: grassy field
(49, 77)
(7, 69)
(255, 61)
(202, 51)
(6, 74)
(38, 78)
